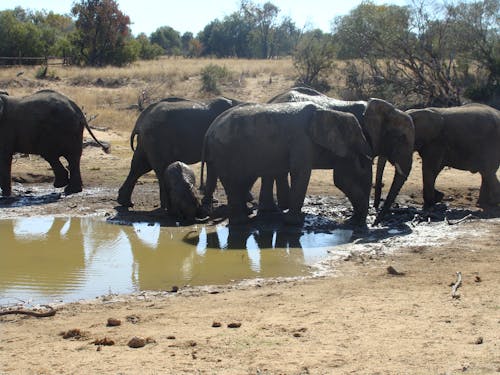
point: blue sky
(193, 15)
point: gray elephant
(466, 138)
(167, 131)
(47, 124)
(268, 140)
(182, 198)
(389, 131)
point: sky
(193, 15)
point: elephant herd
(280, 141)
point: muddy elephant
(466, 138)
(268, 140)
(48, 124)
(180, 189)
(168, 131)
(389, 131)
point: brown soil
(359, 319)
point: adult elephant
(268, 140)
(389, 131)
(466, 138)
(168, 131)
(48, 124)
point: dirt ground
(362, 318)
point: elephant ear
(428, 126)
(338, 132)
(377, 114)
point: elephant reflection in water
(270, 248)
(54, 264)
(180, 258)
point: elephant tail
(104, 145)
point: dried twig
(465, 218)
(455, 286)
(50, 312)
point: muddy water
(46, 259)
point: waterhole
(47, 259)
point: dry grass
(112, 92)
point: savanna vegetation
(426, 53)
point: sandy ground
(359, 319)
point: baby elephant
(182, 199)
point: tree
(167, 38)
(314, 58)
(148, 50)
(264, 19)
(103, 36)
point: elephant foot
(61, 182)
(268, 208)
(238, 220)
(294, 219)
(438, 196)
(72, 189)
(357, 220)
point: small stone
(477, 279)
(174, 289)
(234, 325)
(171, 337)
(112, 322)
(478, 341)
(216, 324)
(137, 342)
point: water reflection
(52, 258)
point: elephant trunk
(403, 168)
(378, 180)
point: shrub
(212, 75)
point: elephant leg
(60, 173)
(139, 166)
(75, 177)
(209, 188)
(5, 171)
(430, 171)
(358, 195)
(266, 201)
(283, 192)
(489, 194)
(164, 196)
(299, 181)
(236, 192)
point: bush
(212, 75)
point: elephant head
(392, 135)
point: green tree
(167, 38)
(103, 36)
(147, 50)
(264, 21)
(314, 58)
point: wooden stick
(45, 314)
(455, 286)
(465, 218)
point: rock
(216, 324)
(234, 325)
(112, 322)
(137, 342)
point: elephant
(48, 124)
(268, 140)
(466, 138)
(182, 198)
(168, 131)
(389, 131)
